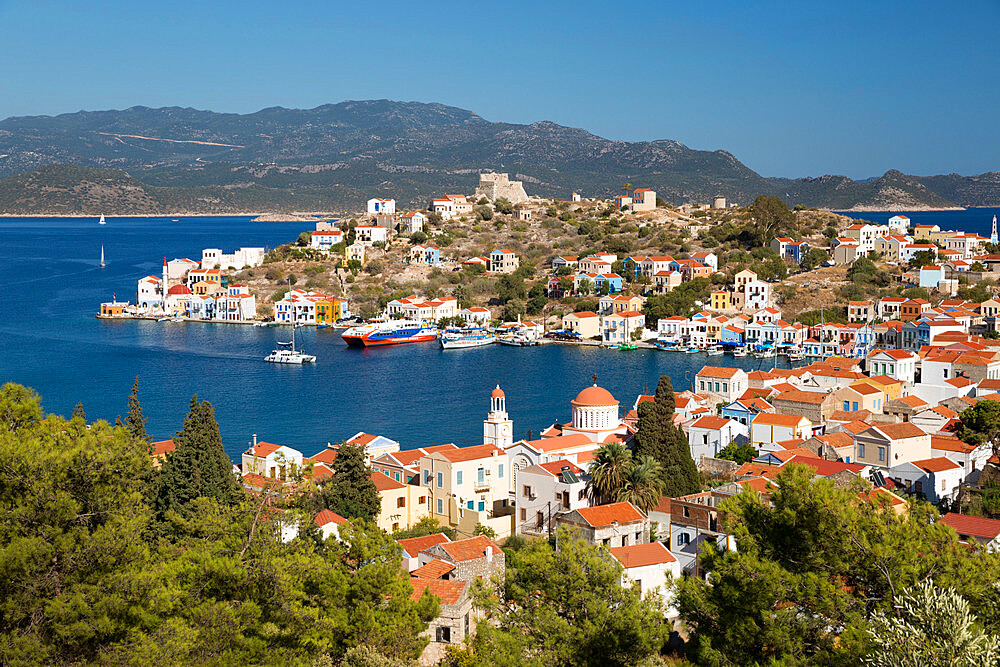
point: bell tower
(497, 427)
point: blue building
(612, 280)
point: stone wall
(495, 186)
(719, 467)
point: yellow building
(402, 504)
(355, 251)
(743, 277)
(206, 288)
(721, 300)
(891, 387)
(328, 310)
(113, 308)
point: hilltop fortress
(495, 186)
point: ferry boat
(472, 337)
(391, 332)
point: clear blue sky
(790, 88)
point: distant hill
(336, 156)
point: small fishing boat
(796, 355)
(692, 350)
(765, 354)
(740, 352)
(516, 340)
(715, 351)
(627, 346)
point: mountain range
(334, 157)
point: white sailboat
(101, 221)
(286, 353)
(102, 256)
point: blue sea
(417, 394)
(978, 220)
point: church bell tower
(497, 427)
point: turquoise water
(417, 394)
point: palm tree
(609, 472)
(643, 484)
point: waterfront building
(621, 327)
(178, 301)
(585, 323)
(178, 268)
(309, 307)
(149, 293)
(214, 276)
(476, 316)
(414, 308)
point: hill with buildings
(335, 156)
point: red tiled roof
(799, 396)
(384, 483)
(326, 516)
(555, 467)
(900, 430)
(777, 420)
(414, 545)
(449, 592)
(710, 422)
(435, 569)
(948, 443)
(936, 464)
(605, 515)
(641, 555)
(718, 372)
(470, 549)
(823, 467)
(263, 449)
(470, 453)
(163, 447)
(974, 526)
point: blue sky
(791, 89)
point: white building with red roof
(709, 435)
(329, 523)
(651, 567)
(468, 485)
(613, 525)
(726, 383)
(546, 490)
(272, 461)
(476, 316)
(177, 268)
(975, 529)
(369, 235)
(149, 293)
(326, 239)
(935, 479)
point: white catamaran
(286, 353)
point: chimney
(254, 439)
(489, 554)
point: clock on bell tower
(497, 427)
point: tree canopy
(658, 437)
(350, 491)
(89, 574)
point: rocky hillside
(344, 153)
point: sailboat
(286, 353)
(102, 256)
(101, 221)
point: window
(847, 406)
(942, 485)
(526, 491)
(500, 470)
(481, 476)
(458, 478)
(422, 499)
(683, 538)
(444, 634)
(861, 450)
(482, 505)
(701, 384)
(396, 477)
(725, 386)
(582, 494)
(854, 406)
(440, 506)
(539, 520)
(624, 540)
(440, 480)
(687, 512)
(469, 505)
(427, 477)
(881, 453)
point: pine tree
(660, 438)
(199, 467)
(78, 412)
(135, 422)
(351, 492)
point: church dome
(179, 289)
(594, 396)
(497, 393)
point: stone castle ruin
(495, 186)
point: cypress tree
(78, 412)
(199, 467)
(351, 492)
(657, 436)
(135, 422)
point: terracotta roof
(558, 442)
(641, 555)
(385, 483)
(163, 447)
(974, 526)
(470, 453)
(823, 468)
(435, 569)
(449, 592)
(758, 469)
(414, 545)
(263, 449)
(605, 515)
(326, 516)
(470, 549)
(326, 456)
(555, 467)
(912, 401)
(936, 464)
(777, 420)
(718, 372)
(710, 422)
(950, 443)
(759, 484)
(790, 444)
(798, 396)
(900, 430)
(839, 439)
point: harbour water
(417, 394)
(977, 220)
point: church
(595, 421)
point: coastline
(269, 216)
(899, 209)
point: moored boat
(740, 352)
(389, 332)
(453, 339)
